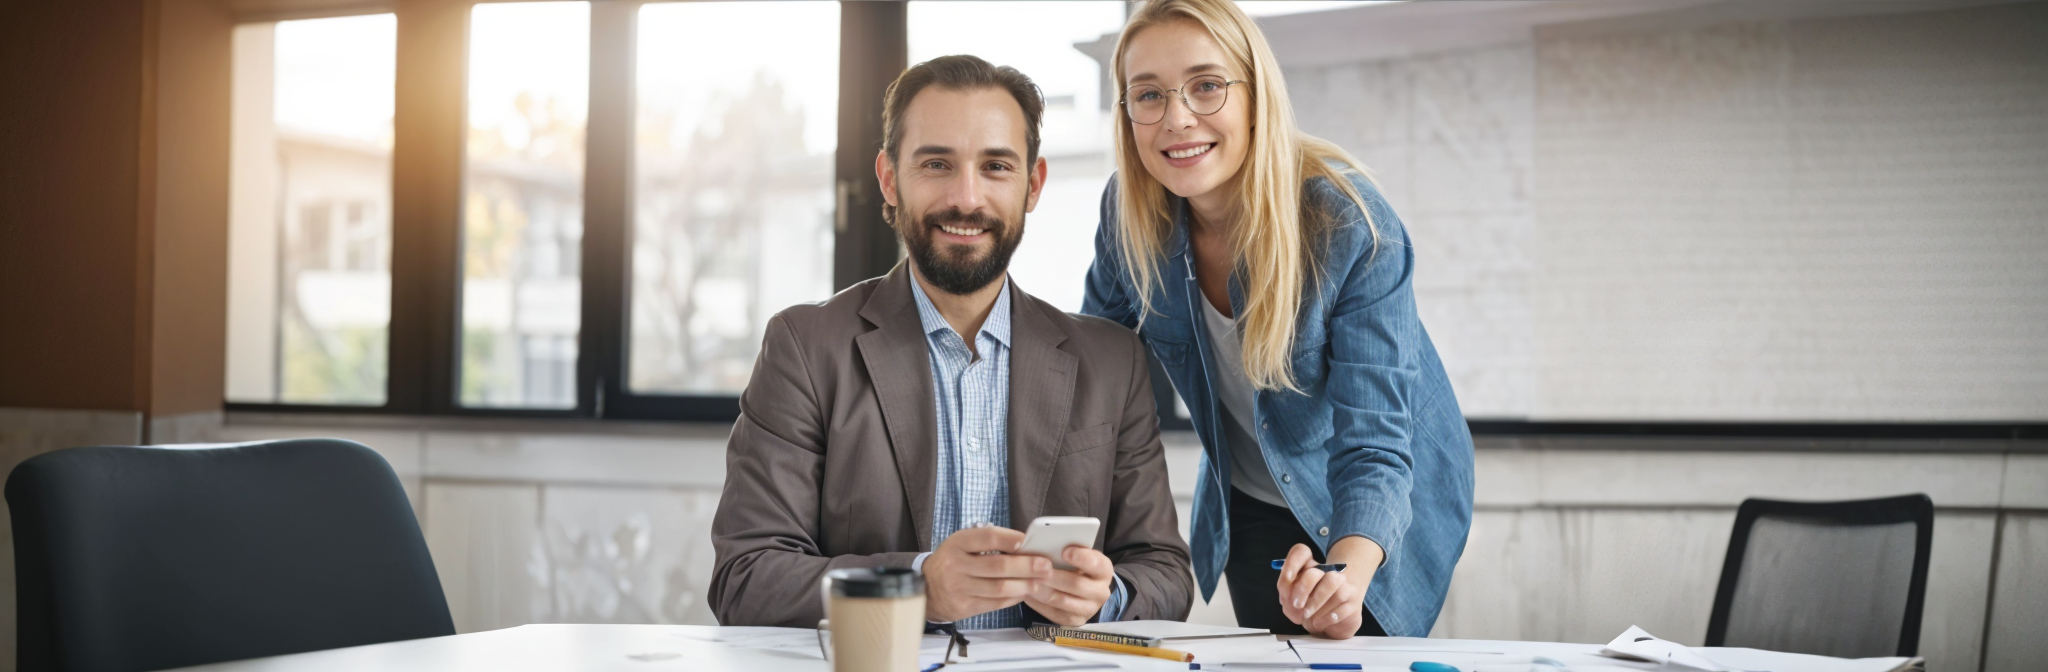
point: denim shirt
(1375, 446)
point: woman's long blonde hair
(1276, 231)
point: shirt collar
(997, 325)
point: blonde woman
(1269, 276)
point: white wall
(1713, 212)
(1571, 541)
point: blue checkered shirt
(972, 396)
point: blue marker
(1327, 568)
(1420, 666)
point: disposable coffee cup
(875, 618)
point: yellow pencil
(1112, 647)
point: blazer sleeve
(768, 565)
(1374, 361)
(1144, 539)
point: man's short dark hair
(958, 73)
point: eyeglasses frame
(1124, 101)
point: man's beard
(954, 269)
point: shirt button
(1287, 478)
(1323, 532)
(1265, 425)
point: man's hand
(1328, 604)
(960, 582)
(1070, 598)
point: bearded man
(921, 418)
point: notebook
(1144, 633)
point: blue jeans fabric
(1374, 446)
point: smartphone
(1048, 536)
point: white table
(639, 648)
(660, 648)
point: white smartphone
(1049, 536)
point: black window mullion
(428, 126)
(874, 47)
(607, 207)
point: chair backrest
(1843, 579)
(131, 558)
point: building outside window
(522, 206)
(733, 190)
(310, 243)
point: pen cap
(875, 582)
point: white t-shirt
(1248, 472)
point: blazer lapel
(1041, 400)
(899, 366)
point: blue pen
(1327, 568)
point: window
(310, 221)
(732, 215)
(522, 206)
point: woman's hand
(1328, 604)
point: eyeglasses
(1204, 95)
(955, 640)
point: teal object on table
(1421, 666)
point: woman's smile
(1187, 153)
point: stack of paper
(1210, 644)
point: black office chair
(1843, 579)
(149, 558)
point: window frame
(429, 123)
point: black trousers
(1259, 534)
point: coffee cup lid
(875, 582)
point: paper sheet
(1267, 649)
(1012, 649)
(1464, 654)
(1637, 644)
(1774, 661)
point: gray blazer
(831, 463)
